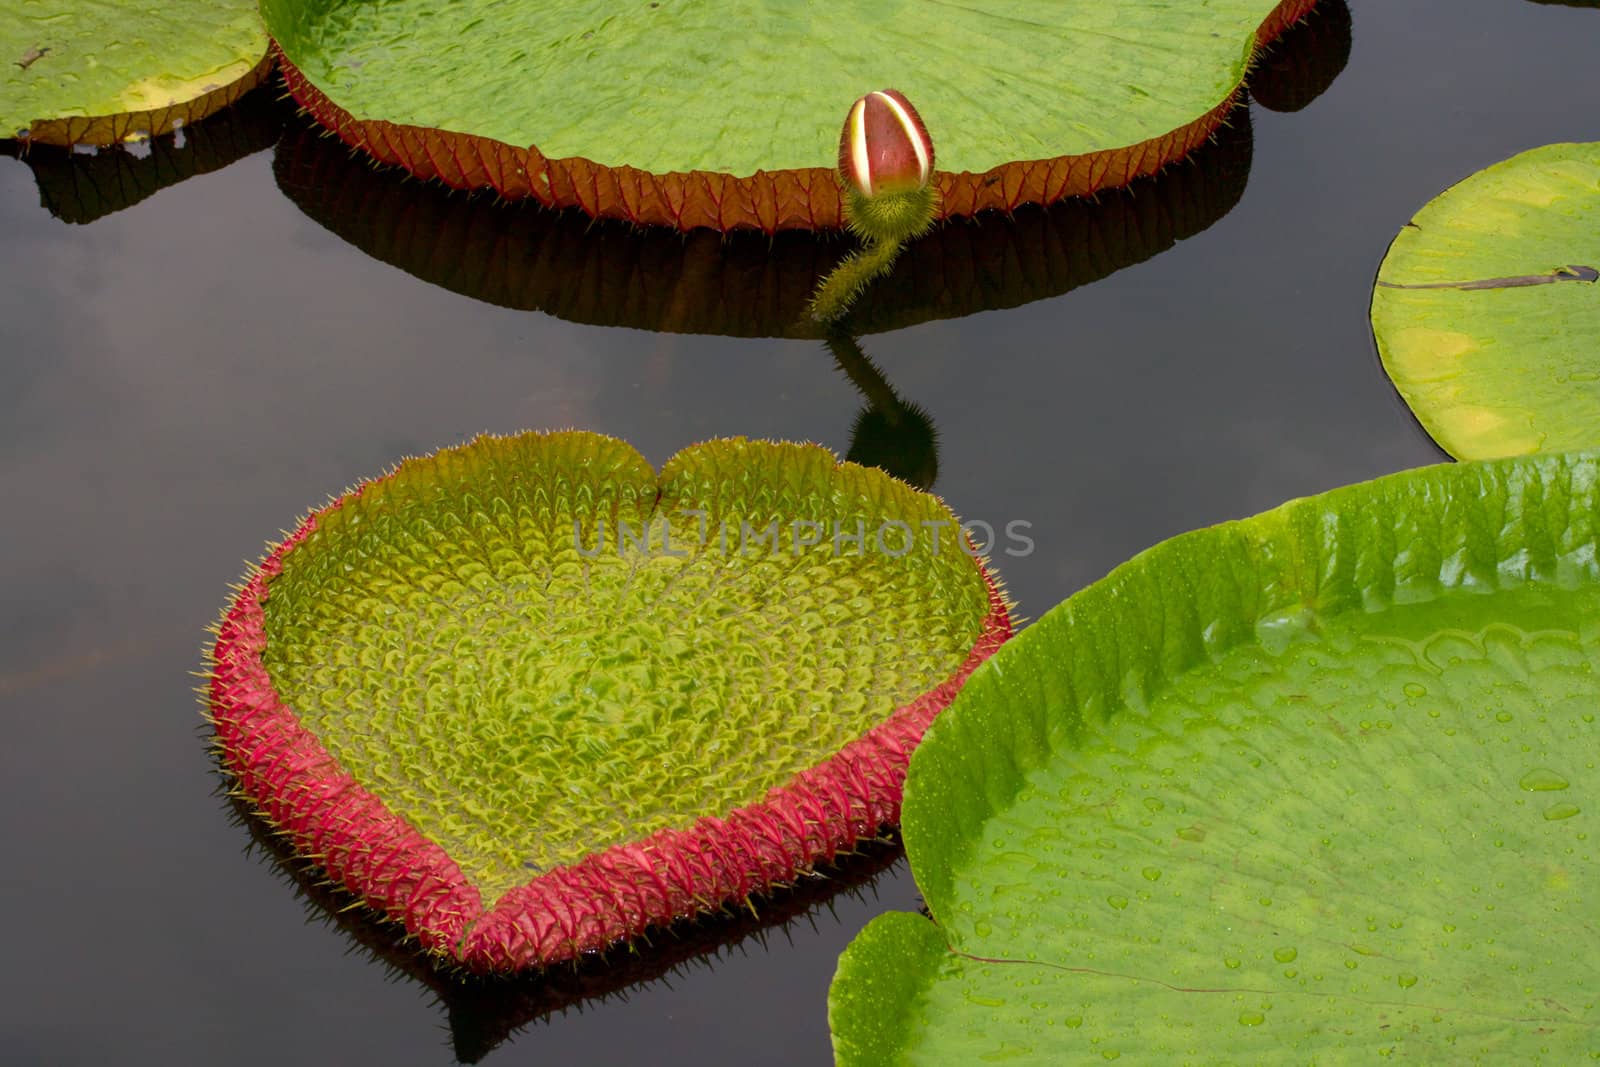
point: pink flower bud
(885, 147)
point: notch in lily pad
(529, 698)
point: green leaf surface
(734, 87)
(1487, 307)
(532, 650)
(62, 59)
(1313, 787)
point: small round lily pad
(80, 72)
(1319, 786)
(724, 114)
(1487, 307)
(529, 698)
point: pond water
(183, 378)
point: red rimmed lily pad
(666, 114)
(527, 740)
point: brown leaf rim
(809, 198)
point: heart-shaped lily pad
(1487, 307)
(724, 114)
(1313, 787)
(81, 72)
(529, 698)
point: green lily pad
(721, 113)
(77, 72)
(1488, 305)
(528, 698)
(1313, 787)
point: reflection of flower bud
(885, 147)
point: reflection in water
(80, 187)
(890, 434)
(749, 285)
(1305, 61)
(483, 1011)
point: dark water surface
(181, 379)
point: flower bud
(885, 147)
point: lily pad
(528, 698)
(1488, 305)
(724, 114)
(1316, 786)
(79, 72)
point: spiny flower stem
(840, 289)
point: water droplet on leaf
(1542, 780)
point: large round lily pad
(724, 113)
(529, 698)
(82, 72)
(1314, 787)
(1487, 307)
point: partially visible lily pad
(1487, 307)
(1318, 786)
(725, 114)
(529, 698)
(85, 72)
